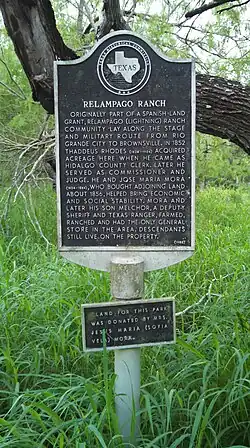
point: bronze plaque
(130, 323)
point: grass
(193, 394)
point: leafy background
(194, 393)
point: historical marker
(125, 134)
(125, 123)
(128, 324)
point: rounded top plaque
(125, 123)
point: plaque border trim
(128, 302)
(86, 251)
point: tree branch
(206, 7)
(233, 6)
(112, 18)
(223, 109)
(12, 90)
(11, 77)
(223, 106)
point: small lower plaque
(128, 324)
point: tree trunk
(31, 26)
(112, 18)
(223, 109)
(79, 24)
(223, 106)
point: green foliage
(20, 116)
(219, 45)
(194, 393)
(66, 20)
(230, 49)
(218, 42)
(219, 162)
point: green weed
(194, 393)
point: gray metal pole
(127, 283)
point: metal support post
(127, 283)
